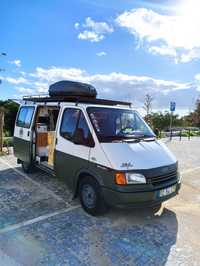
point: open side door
(23, 134)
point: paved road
(41, 225)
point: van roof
(73, 99)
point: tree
(161, 121)
(1, 127)
(148, 108)
(148, 104)
(193, 119)
(10, 112)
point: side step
(46, 169)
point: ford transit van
(103, 149)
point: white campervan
(103, 149)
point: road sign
(172, 106)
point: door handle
(21, 132)
(28, 133)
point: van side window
(69, 123)
(25, 116)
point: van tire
(91, 197)
(27, 167)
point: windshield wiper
(147, 138)
(118, 138)
(126, 138)
(139, 138)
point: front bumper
(136, 199)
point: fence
(181, 133)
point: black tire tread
(100, 207)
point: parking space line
(48, 191)
(36, 220)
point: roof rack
(76, 99)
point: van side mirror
(80, 139)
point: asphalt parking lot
(40, 224)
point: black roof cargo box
(72, 88)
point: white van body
(102, 162)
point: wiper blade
(142, 137)
(147, 138)
(117, 138)
(126, 138)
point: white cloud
(55, 73)
(18, 80)
(197, 82)
(23, 73)
(90, 36)
(114, 85)
(101, 54)
(23, 90)
(191, 55)
(163, 50)
(76, 25)
(93, 31)
(118, 85)
(16, 62)
(41, 87)
(197, 77)
(168, 35)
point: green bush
(8, 142)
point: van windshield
(118, 124)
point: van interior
(45, 134)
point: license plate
(166, 191)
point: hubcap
(88, 196)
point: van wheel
(91, 196)
(27, 167)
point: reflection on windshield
(115, 124)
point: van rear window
(25, 116)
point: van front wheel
(91, 196)
(27, 167)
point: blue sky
(125, 48)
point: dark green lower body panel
(22, 149)
(68, 166)
(135, 199)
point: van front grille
(159, 180)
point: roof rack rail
(76, 99)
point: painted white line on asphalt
(190, 170)
(48, 191)
(36, 220)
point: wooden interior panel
(42, 139)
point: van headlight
(129, 178)
(135, 178)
